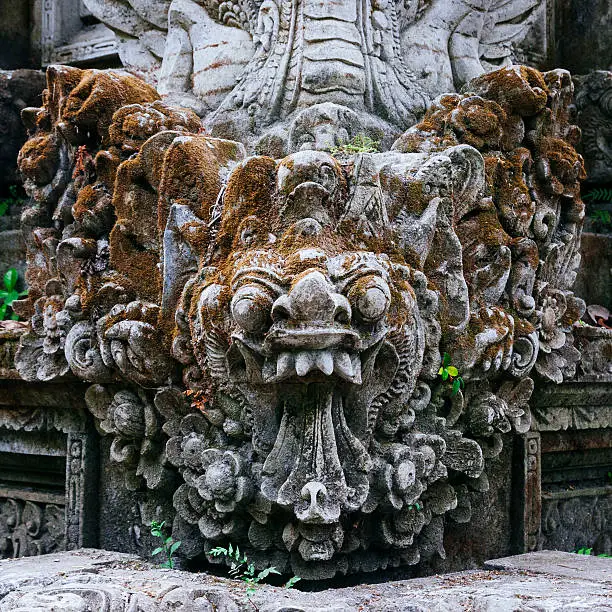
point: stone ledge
(557, 563)
(91, 579)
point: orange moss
(91, 105)
(38, 159)
(518, 89)
(249, 192)
(191, 172)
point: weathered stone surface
(91, 579)
(265, 336)
(259, 66)
(558, 563)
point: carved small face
(323, 126)
(308, 185)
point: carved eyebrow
(261, 276)
(358, 270)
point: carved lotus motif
(222, 482)
(132, 421)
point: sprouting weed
(168, 545)
(450, 373)
(241, 569)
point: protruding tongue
(317, 466)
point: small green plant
(450, 373)
(601, 217)
(418, 507)
(589, 551)
(9, 294)
(359, 144)
(241, 569)
(13, 198)
(599, 194)
(168, 545)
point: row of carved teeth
(300, 363)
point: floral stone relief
(264, 336)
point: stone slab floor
(100, 581)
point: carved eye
(251, 307)
(306, 142)
(370, 298)
(328, 177)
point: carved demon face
(316, 336)
(312, 326)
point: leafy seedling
(599, 194)
(450, 373)
(168, 545)
(359, 144)
(9, 294)
(13, 198)
(241, 569)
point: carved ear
(178, 258)
(468, 178)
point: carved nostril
(342, 313)
(281, 309)
(312, 491)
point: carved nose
(312, 300)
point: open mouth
(306, 363)
(308, 354)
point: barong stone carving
(264, 335)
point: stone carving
(594, 116)
(10, 331)
(18, 89)
(272, 330)
(47, 424)
(580, 405)
(595, 345)
(68, 34)
(573, 522)
(28, 528)
(134, 424)
(257, 63)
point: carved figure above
(273, 329)
(255, 64)
(594, 116)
